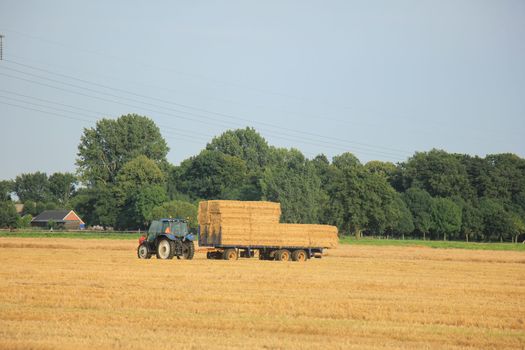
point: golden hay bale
(257, 223)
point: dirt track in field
(89, 294)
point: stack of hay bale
(257, 224)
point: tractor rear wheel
(299, 255)
(188, 250)
(282, 255)
(165, 249)
(143, 252)
(230, 254)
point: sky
(380, 79)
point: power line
(280, 134)
(204, 110)
(97, 113)
(188, 138)
(170, 134)
(178, 116)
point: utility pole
(1, 47)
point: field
(95, 294)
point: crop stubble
(70, 293)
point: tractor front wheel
(143, 252)
(165, 249)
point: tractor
(167, 238)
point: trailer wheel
(282, 255)
(165, 249)
(188, 250)
(299, 255)
(230, 254)
(143, 252)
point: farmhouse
(62, 218)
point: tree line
(123, 180)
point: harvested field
(95, 294)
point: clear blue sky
(381, 79)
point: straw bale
(257, 223)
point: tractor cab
(167, 238)
(175, 227)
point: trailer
(233, 229)
(279, 253)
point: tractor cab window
(167, 227)
(154, 230)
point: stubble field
(95, 294)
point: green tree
(212, 175)
(30, 208)
(6, 188)
(105, 149)
(176, 209)
(360, 200)
(439, 173)
(386, 169)
(24, 221)
(497, 222)
(346, 192)
(62, 187)
(140, 186)
(245, 144)
(137, 210)
(471, 221)
(292, 180)
(138, 172)
(518, 226)
(401, 223)
(33, 187)
(420, 204)
(8, 215)
(446, 217)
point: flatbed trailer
(280, 253)
(247, 229)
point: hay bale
(257, 223)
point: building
(67, 219)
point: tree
(345, 192)
(437, 172)
(140, 186)
(8, 215)
(103, 150)
(62, 186)
(212, 175)
(24, 221)
(446, 217)
(378, 203)
(401, 223)
(518, 226)
(32, 186)
(471, 221)
(497, 222)
(386, 169)
(420, 204)
(6, 188)
(138, 172)
(176, 209)
(137, 210)
(361, 200)
(245, 144)
(291, 180)
(30, 208)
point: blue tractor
(167, 238)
